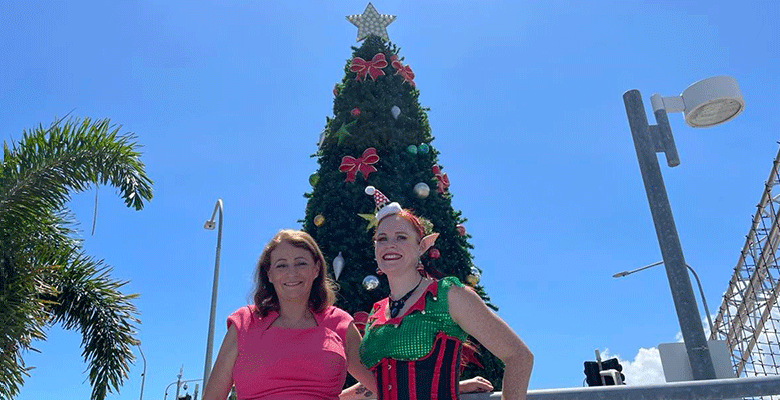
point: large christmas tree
(379, 136)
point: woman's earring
(379, 271)
(420, 268)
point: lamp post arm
(217, 207)
(703, 300)
(624, 273)
(696, 276)
(661, 133)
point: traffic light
(592, 372)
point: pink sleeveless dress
(283, 364)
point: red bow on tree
(404, 70)
(352, 165)
(442, 182)
(372, 68)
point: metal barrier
(732, 388)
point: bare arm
(221, 378)
(471, 313)
(366, 388)
(357, 391)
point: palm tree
(45, 277)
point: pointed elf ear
(427, 242)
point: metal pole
(178, 383)
(210, 339)
(598, 361)
(143, 374)
(668, 240)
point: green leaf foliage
(45, 278)
(398, 171)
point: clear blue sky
(228, 99)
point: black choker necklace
(397, 305)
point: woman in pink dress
(292, 343)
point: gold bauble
(319, 220)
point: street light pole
(210, 340)
(178, 383)
(695, 276)
(647, 141)
(143, 374)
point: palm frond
(89, 300)
(40, 170)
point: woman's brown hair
(323, 290)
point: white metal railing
(708, 389)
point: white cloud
(646, 368)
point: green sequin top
(410, 336)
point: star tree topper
(371, 23)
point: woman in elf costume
(413, 338)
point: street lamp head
(620, 274)
(209, 225)
(706, 103)
(712, 101)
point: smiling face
(396, 245)
(292, 272)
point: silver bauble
(422, 190)
(338, 265)
(395, 111)
(370, 282)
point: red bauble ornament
(355, 112)
(434, 253)
(461, 229)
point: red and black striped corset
(433, 377)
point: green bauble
(412, 149)
(313, 179)
(424, 148)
